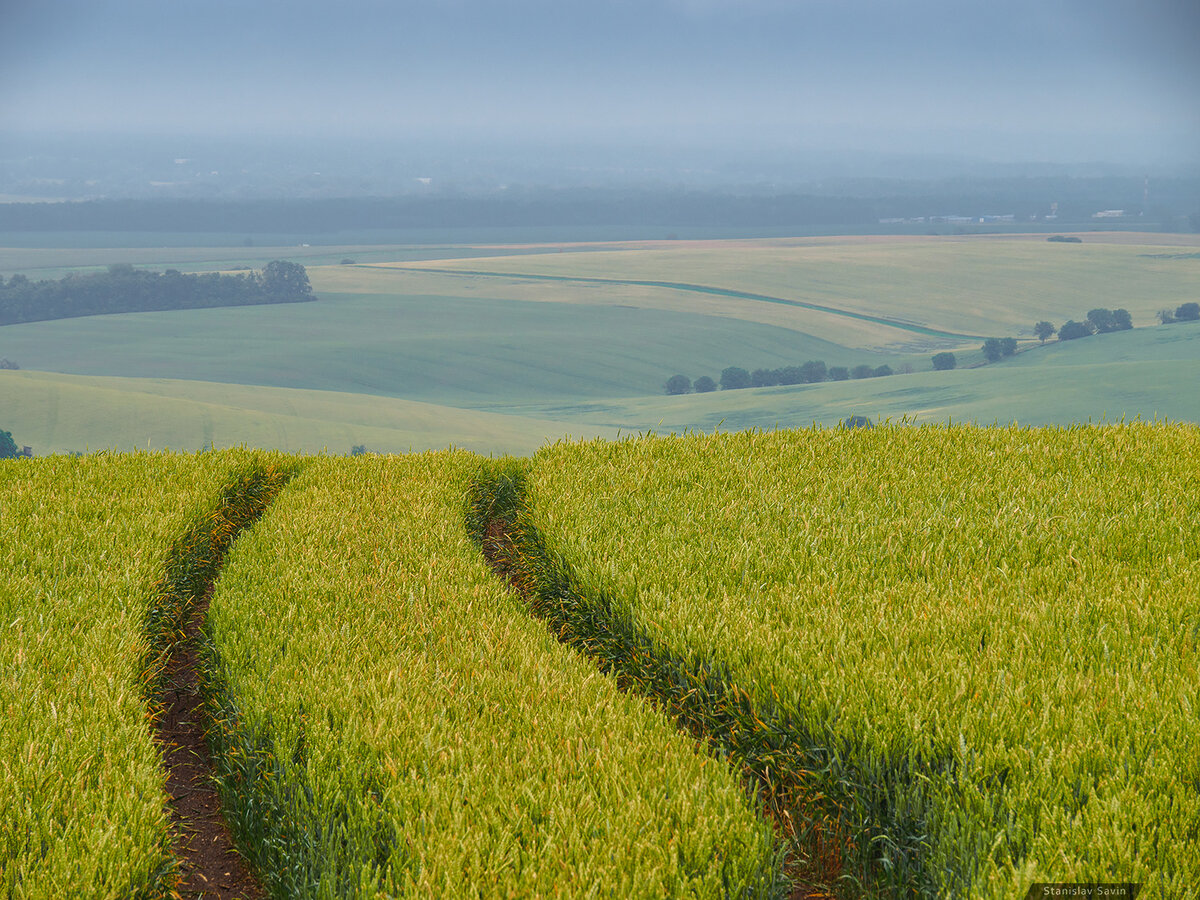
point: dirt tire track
(500, 550)
(210, 867)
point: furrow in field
(704, 700)
(392, 723)
(209, 865)
(702, 289)
(978, 645)
(83, 641)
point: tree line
(735, 378)
(122, 288)
(1185, 312)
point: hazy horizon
(1023, 81)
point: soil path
(210, 866)
(498, 549)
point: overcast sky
(1019, 79)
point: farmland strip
(82, 543)
(699, 693)
(698, 289)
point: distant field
(60, 413)
(469, 351)
(1147, 373)
(406, 348)
(976, 285)
(38, 263)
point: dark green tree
(791, 375)
(679, 384)
(1043, 330)
(814, 371)
(1122, 320)
(733, 379)
(1008, 346)
(704, 385)
(863, 371)
(1102, 320)
(839, 373)
(992, 349)
(1188, 312)
(281, 278)
(882, 371)
(1072, 330)
(944, 361)
(8, 447)
(763, 378)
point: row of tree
(125, 289)
(735, 378)
(1098, 321)
(1185, 312)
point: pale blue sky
(1020, 79)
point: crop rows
(391, 720)
(82, 545)
(949, 661)
(972, 653)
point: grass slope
(1136, 373)
(460, 351)
(59, 413)
(1146, 372)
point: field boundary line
(695, 289)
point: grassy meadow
(425, 346)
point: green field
(906, 661)
(411, 346)
(975, 649)
(395, 724)
(82, 544)
(66, 413)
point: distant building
(1109, 214)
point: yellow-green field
(938, 661)
(975, 285)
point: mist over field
(136, 97)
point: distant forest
(1170, 203)
(126, 289)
